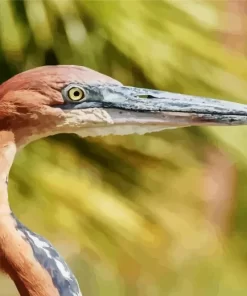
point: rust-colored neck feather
(18, 261)
(7, 154)
(16, 255)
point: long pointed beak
(147, 106)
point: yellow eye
(76, 94)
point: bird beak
(131, 105)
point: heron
(50, 100)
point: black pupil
(76, 93)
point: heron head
(72, 99)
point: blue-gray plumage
(62, 277)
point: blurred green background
(160, 214)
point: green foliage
(128, 212)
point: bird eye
(76, 94)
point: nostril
(145, 97)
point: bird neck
(7, 154)
(18, 261)
(30, 261)
(16, 255)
